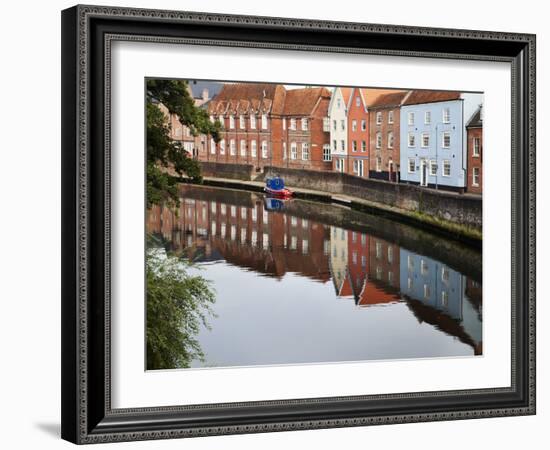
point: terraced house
(433, 138)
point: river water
(303, 282)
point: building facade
(358, 133)
(433, 138)
(474, 131)
(337, 120)
(384, 136)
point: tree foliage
(163, 153)
(177, 305)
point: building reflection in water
(273, 239)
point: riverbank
(468, 235)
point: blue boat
(275, 186)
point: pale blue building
(433, 138)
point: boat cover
(275, 183)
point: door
(423, 173)
(390, 170)
(360, 171)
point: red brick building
(474, 131)
(305, 134)
(358, 133)
(251, 114)
(384, 122)
(179, 132)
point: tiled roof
(476, 121)
(346, 92)
(239, 97)
(425, 96)
(302, 101)
(370, 96)
(390, 99)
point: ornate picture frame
(87, 35)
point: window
(476, 147)
(264, 149)
(390, 139)
(354, 125)
(379, 164)
(338, 103)
(284, 150)
(433, 167)
(305, 246)
(253, 122)
(425, 142)
(445, 274)
(446, 168)
(243, 147)
(363, 146)
(334, 125)
(231, 122)
(326, 153)
(423, 267)
(326, 124)
(378, 118)
(427, 117)
(335, 145)
(412, 164)
(378, 140)
(446, 139)
(232, 148)
(354, 146)
(390, 116)
(475, 176)
(222, 147)
(410, 118)
(444, 299)
(446, 115)
(304, 124)
(305, 151)
(292, 124)
(264, 121)
(390, 254)
(358, 101)
(241, 122)
(411, 140)
(253, 148)
(343, 145)
(355, 166)
(212, 146)
(363, 125)
(293, 150)
(426, 291)
(343, 125)
(378, 248)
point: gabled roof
(389, 99)
(425, 96)
(346, 94)
(235, 98)
(302, 102)
(370, 96)
(476, 121)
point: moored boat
(275, 186)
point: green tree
(162, 152)
(177, 305)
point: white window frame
(343, 125)
(433, 167)
(222, 147)
(353, 146)
(355, 165)
(232, 147)
(410, 118)
(411, 140)
(265, 149)
(293, 150)
(363, 125)
(264, 121)
(379, 118)
(445, 163)
(378, 139)
(390, 139)
(253, 121)
(413, 161)
(243, 147)
(334, 124)
(305, 151)
(305, 125)
(446, 115)
(476, 146)
(242, 124)
(343, 146)
(253, 148)
(390, 116)
(284, 150)
(327, 155)
(354, 125)
(475, 177)
(427, 117)
(231, 122)
(444, 134)
(292, 123)
(212, 147)
(326, 124)
(425, 140)
(363, 146)
(379, 164)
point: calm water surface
(306, 282)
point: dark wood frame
(87, 32)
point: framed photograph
(279, 224)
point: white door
(360, 168)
